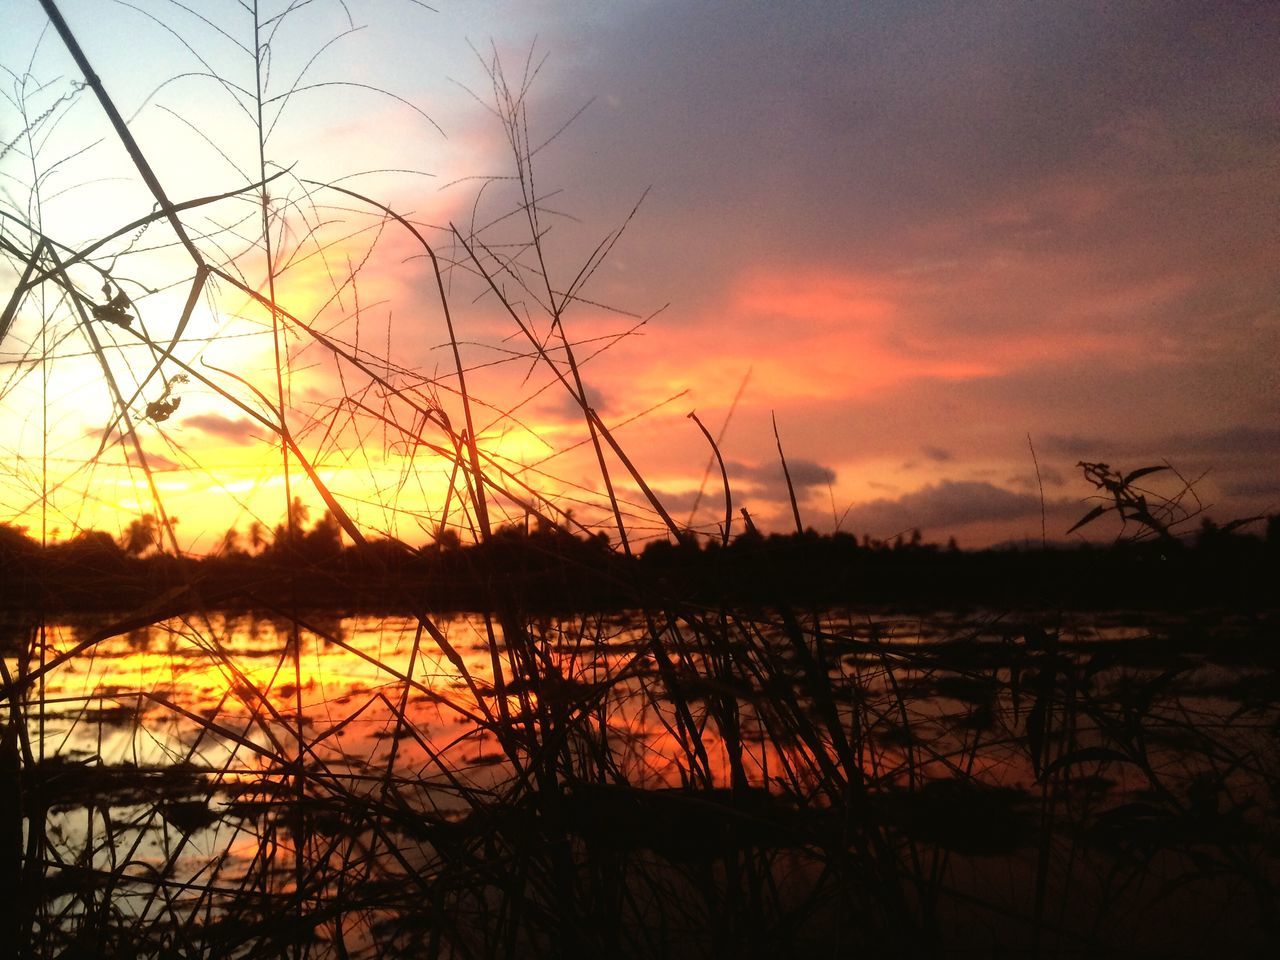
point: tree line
(309, 563)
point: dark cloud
(1070, 168)
(237, 431)
(684, 501)
(561, 405)
(761, 487)
(902, 111)
(804, 474)
(1240, 439)
(1231, 441)
(937, 454)
(1049, 477)
(943, 506)
(1265, 488)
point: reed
(697, 778)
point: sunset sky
(915, 233)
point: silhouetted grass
(719, 772)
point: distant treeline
(550, 569)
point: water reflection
(232, 751)
(378, 694)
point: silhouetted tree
(141, 535)
(292, 528)
(257, 536)
(230, 542)
(324, 540)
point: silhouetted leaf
(110, 313)
(161, 410)
(1140, 472)
(1089, 517)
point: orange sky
(914, 235)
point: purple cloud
(944, 505)
(215, 425)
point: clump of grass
(704, 778)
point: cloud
(936, 192)
(215, 425)
(937, 454)
(804, 474)
(680, 503)
(759, 487)
(1268, 487)
(154, 460)
(1239, 439)
(1075, 445)
(898, 110)
(1048, 475)
(560, 405)
(943, 505)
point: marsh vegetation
(608, 749)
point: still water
(224, 751)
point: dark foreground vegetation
(554, 570)
(203, 758)
(685, 781)
(716, 772)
